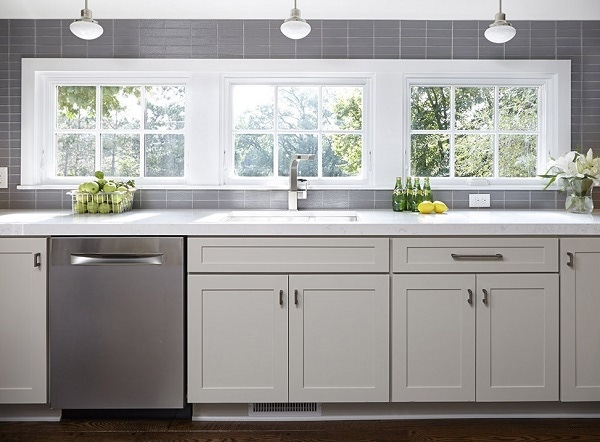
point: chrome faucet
(293, 194)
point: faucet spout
(293, 192)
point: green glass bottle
(398, 196)
(427, 193)
(417, 194)
(409, 195)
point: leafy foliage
(299, 129)
(117, 133)
(474, 130)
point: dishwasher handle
(105, 259)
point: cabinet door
(339, 338)
(580, 323)
(237, 338)
(433, 338)
(517, 337)
(23, 369)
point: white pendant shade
(500, 31)
(86, 27)
(295, 27)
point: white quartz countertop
(367, 223)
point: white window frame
(365, 82)
(548, 129)
(49, 160)
(385, 110)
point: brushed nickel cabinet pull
(37, 260)
(476, 257)
(570, 261)
(485, 296)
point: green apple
(92, 207)
(104, 208)
(116, 197)
(89, 187)
(109, 187)
(80, 207)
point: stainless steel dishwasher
(116, 323)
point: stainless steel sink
(289, 216)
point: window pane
(474, 108)
(164, 155)
(342, 155)
(298, 107)
(518, 108)
(430, 108)
(76, 107)
(75, 154)
(253, 154)
(120, 155)
(430, 155)
(165, 107)
(121, 107)
(253, 107)
(474, 156)
(290, 144)
(342, 108)
(518, 155)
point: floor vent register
(284, 409)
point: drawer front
(288, 255)
(447, 255)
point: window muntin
(271, 122)
(482, 131)
(124, 130)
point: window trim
(554, 130)
(387, 109)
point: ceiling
(316, 9)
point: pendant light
(86, 27)
(295, 27)
(500, 31)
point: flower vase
(579, 195)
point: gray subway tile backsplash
(578, 41)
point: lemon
(426, 207)
(439, 207)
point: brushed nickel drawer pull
(476, 257)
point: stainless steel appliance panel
(116, 322)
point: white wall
(315, 9)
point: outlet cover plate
(479, 200)
(3, 177)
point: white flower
(574, 165)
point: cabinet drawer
(448, 255)
(288, 255)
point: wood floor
(504, 430)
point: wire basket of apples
(103, 196)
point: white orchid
(574, 165)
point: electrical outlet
(3, 177)
(479, 200)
